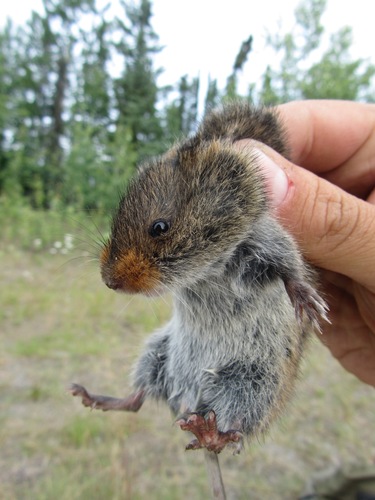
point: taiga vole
(197, 222)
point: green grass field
(59, 324)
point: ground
(59, 325)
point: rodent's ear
(141, 167)
(188, 151)
(241, 120)
(191, 145)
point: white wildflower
(68, 241)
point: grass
(59, 325)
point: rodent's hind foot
(208, 436)
(107, 403)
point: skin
(325, 196)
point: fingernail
(276, 178)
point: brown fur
(244, 298)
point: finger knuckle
(340, 220)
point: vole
(197, 222)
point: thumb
(335, 230)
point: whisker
(153, 308)
(94, 239)
(162, 297)
(226, 289)
(124, 307)
(84, 243)
(178, 297)
(103, 240)
(87, 259)
(204, 302)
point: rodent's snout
(111, 284)
(130, 272)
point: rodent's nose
(112, 284)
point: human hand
(329, 207)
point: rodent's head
(183, 213)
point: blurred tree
(91, 120)
(93, 95)
(337, 76)
(136, 90)
(213, 95)
(182, 113)
(39, 56)
(119, 165)
(5, 80)
(306, 71)
(24, 123)
(71, 130)
(59, 39)
(80, 169)
(96, 173)
(240, 60)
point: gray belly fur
(227, 351)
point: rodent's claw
(207, 434)
(193, 445)
(79, 390)
(306, 300)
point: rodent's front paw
(306, 300)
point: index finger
(334, 139)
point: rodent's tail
(241, 120)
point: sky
(202, 37)
(205, 35)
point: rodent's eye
(159, 227)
